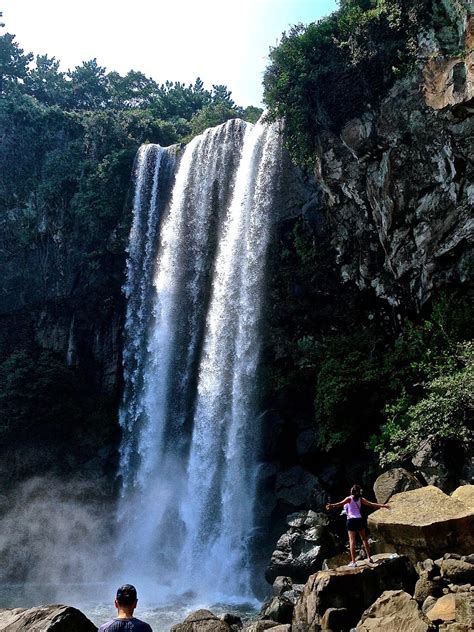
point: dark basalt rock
(301, 550)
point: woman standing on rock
(355, 521)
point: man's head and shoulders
(125, 602)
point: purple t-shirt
(125, 625)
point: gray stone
(45, 619)
(392, 482)
(279, 609)
(281, 585)
(430, 463)
(301, 550)
(261, 626)
(297, 488)
(304, 519)
(233, 620)
(202, 621)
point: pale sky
(223, 42)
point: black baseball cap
(126, 595)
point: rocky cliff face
(379, 232)
(61, 307)
(398, 182)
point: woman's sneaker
(352, 565)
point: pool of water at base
(162, 617)
(90, 600)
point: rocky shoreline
(428, 587)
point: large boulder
(393, 482)
(394, 611)
(45, 619)
(424, 523)
(350, 591)
(301, 550)
(202, 621)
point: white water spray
(193, 330)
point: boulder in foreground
(426, 522)
(45, 619)
(394, 611)
(347, 592)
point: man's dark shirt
(125, 625)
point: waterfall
(195, 289)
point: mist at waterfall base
(195, 286)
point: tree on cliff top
(327, 72)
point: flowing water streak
(218, 507)
(141, 253)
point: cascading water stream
(195, 297)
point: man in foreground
(125, 602)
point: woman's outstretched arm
(337, 505)
(374, 505)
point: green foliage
(419, 382)
(212, 115)
(347, 386)
(323, 74)
(444, 413)
(70, 138)
(352, 377)
(13, 63)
